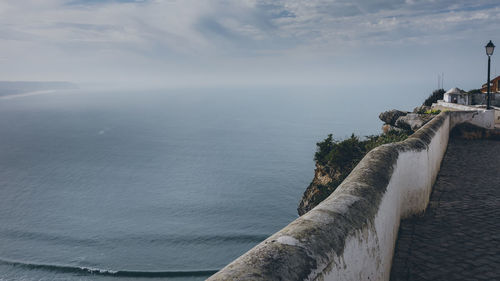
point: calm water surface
(175, 183)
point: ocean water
(173, 184)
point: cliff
(322, 185)
(336, 159)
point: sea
(168, 184)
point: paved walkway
(458, 237)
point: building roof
(456, 91)
(491, 81)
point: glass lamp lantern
(490, 48)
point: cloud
(193, 36)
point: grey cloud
(210, 27)
(268, 24)
(101, 2)
(87, 26)
(181, 33)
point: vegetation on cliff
(335, 160)
(344, 155)
(434, 97)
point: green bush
(342, 156)
(391, 136)
(475, 91)
(433, 111)
(434, 97)
(323, 148)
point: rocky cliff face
(322, 185)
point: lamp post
(489, 51)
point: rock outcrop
(413, 121)
(391, 116)
(386, 128)
(400, 120)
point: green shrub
(475, 91)
(342, 156)
(434, 97)
(323, 148)
(346, 154)
(389, 137)
(433, 111)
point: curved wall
(351, 234)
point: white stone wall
(482, 118)
(368, 255)
(497, 116)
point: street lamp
(489, 51)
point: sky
(249, 42)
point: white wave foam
(98, 270)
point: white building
(455, 95)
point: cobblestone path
(458, 237)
